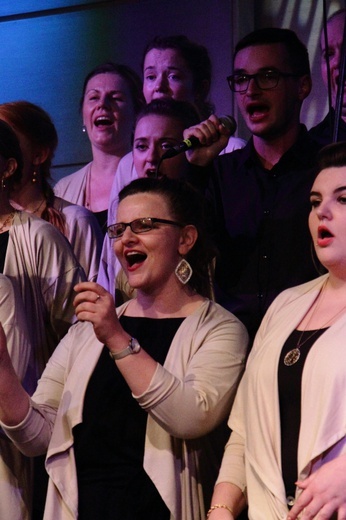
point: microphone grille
(229, 123)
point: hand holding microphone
(207, 139)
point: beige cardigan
(255, 418)
(186, 400)
(15, 468)
(72, 187)
(41, 265)
(84, 234)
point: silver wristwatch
(132, 348)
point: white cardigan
(255, 418)
(84, 235)
(186, 400)
(41, 265)
(15, 468)
(72, 187)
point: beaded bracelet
(218, 506)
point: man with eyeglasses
(331, 63)
(260, 194)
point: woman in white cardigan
(110, 100)
(134, 434)
(288, 422)
(40, 263)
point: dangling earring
(84, 128)
(3, 184)
(34, 177)
(183, 271)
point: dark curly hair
(187, 206)
(10, 149)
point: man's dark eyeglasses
(140, 225)
(265, 80)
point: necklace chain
(6, 221)
(294, 354)
(38, 207)
(87, 195)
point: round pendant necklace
(293, 355)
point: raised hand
(96, 305)
(213, 137)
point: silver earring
(84, 128)
(183, 271)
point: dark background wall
(48, 46)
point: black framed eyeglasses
(140, 225)
(265, 80)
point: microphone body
(193, 142)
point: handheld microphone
(192, 142)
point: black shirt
(289, 385)
(109, 443)
(260, 226)
(101, 217)
(3, 248)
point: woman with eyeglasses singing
(132, 404)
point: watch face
(134, 346)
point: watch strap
(132, 348)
